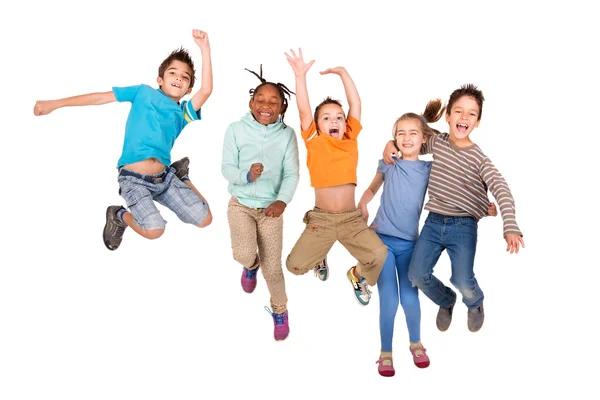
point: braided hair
(281, 88)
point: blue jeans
(458, 236)
(393, 276)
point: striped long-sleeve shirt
(459, 181)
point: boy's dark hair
(328, 100)
(467, 90)
(182, 55)
(281, 88)
(433, 112)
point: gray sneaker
(444, 318)
(113, 229)
(322, 270)
(182, 168)
(475, 318)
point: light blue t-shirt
(401, 202)
(275, 146)
(153, 124)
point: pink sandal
(386, 370)
(421, 361)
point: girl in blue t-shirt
(397, 224)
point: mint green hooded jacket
(275, 146)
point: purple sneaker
(249, 279)
(282, 326)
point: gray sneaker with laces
(113, 229)
(322, 270)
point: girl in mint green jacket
(260, 162)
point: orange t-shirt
(332, 162)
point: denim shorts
(141, 191)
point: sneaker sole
(354, 293)
(423, 364)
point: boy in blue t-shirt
(156, 119)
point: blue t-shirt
(401, 202)
(153, 124)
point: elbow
(206, 90)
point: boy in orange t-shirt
(332, 158)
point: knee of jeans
(150, 223)
(196, 215)
(417, 278)
(206, 222)
(467, 293)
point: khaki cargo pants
(324, 228)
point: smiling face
(409, 138)
(462, 119)
(332, 121)
(175, 82)
(267, 104)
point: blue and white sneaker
(361, 288)
(322, 270)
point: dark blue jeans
(458, 236)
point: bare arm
(350, 89)
(369, 194)
(43, 107)
(206, 86)
(300, 69)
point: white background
(167, 319)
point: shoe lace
(364, 287)
(250, 274)
(118, 227)
(278, 318)
(319, 268)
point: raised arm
(352, 96)
(369, 194)
(206, 86)
(300, 69)
(43, 107)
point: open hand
(513, 241)
(297, 62)
(336, 70)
